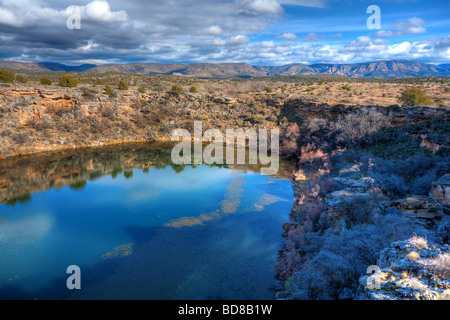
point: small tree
(123, 85)
(68, 81)
(21, 79)
(110, 92)
(7, 76)
(193, 89)
(46, 81)
(176, 89)
(414, 97)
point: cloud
(267, 44)
(263, 7)
(412, 26)
(258, 7)
(117, 31)
(288, 36)
(233, 41)
(312, 37)
(214, 30)
(305, 3)
(101, 11)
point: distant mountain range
(378, 69)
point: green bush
(123, 85)
(193, 89)
(268, 90)
(176, 89)
(21, 79)
(98, 83)
(68, 81)
(346, 87)
(7, 76)
(142, 89)
(414, 97)
(258, 118)
(110, 92)
(46, 81)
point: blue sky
(263, 32)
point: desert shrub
(109, 91)
(268, 90)
(420, 242)
(258, 118)
(67, 81)
(98, 83)
(123, 85)
(176, 89)
(20, 138)
(334, 262)
(142, 89)
(443, 233)
(88, 92)
(21, 79)
(109, 112)
(46, 81)
(414, 97)
(7, 76)
(440, 265)
(413, 175)
(359, 209)
(357, 128)
(290, 140)
(193, 89)
(42, 125)
(313, 158)
(326, 184)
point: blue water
(202, 233)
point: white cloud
(412, 26)
(258, 7)
(101, 11)
(267, 44)
(233, 41)
(214, 30)
(8, 18)
(288, 36)
(312, 37)
(400, 48)
(305, 3)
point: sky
(258, 32)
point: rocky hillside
(363, 199)
(380, 69)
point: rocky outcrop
(409, 270)
(398, 115)
(441, 191)
(426, 210)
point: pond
(139, 227)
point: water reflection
(138, 227)
(23, 176)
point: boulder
(441, 190)
(407, 273)
(420, 207)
